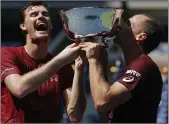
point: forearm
(77, 102)
(99, 86)
(32, 80)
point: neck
(37, 50)
(131, 54)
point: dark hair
(154, 31)
(31, 4)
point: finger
(87, 43)
(84, 49)
(78, 41)
(72, 45)
(76, 48)
(83, 45)
(90, 44)
(78, 58)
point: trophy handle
(116, 22)
(63, 17)
(118, 14)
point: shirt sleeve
(66, 77)
(134, 75)
(8, 64)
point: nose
(40, 16)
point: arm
(105, 96)
(75, 98)
(22, 85)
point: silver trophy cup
(90, 22)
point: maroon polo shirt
(42, 105)
(143, 80)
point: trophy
(90, 23)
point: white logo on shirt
(128, 79)
(8, 69)
(133, 72)
(54, 79)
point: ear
(23, 27)
(141, 36)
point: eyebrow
(34, 11)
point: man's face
(37, 23)
(130, 30)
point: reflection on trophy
(90, 23)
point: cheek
(126, 34)
(129, 33)
(30, 25)
(29, 20)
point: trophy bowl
(84, 22)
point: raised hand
(70, 53)
(80, 61)
(92, 49)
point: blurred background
(11, 35)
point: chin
(43, 38)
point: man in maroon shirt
(135, 96)
(32, 81)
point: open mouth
(41, 27)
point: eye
(45, 14)
(34, 14)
